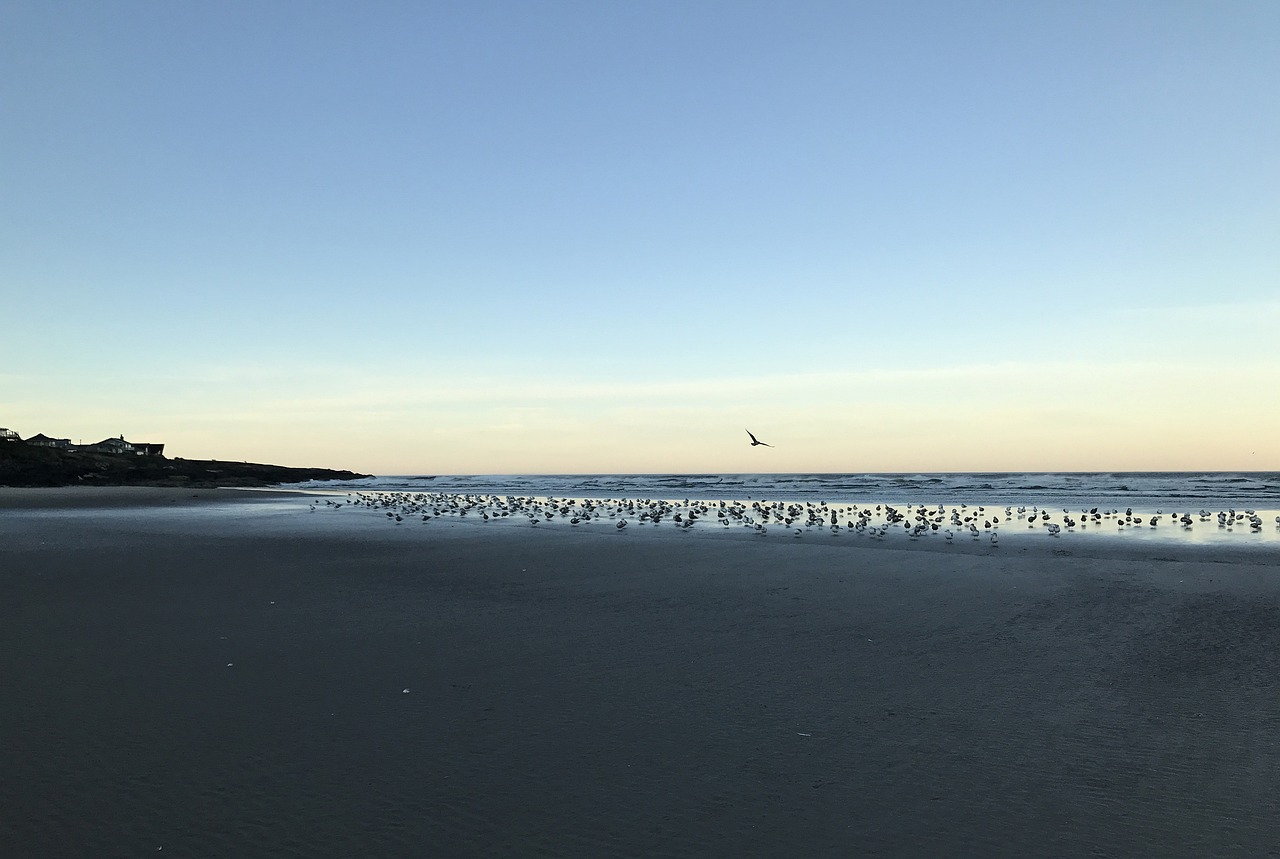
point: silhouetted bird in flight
(755, 441)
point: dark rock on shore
(22, 464)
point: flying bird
(755, 441)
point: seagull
(755, 441)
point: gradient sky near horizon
(479, 237)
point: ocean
(1181, 491)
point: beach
(220, 673)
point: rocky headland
(22, 464)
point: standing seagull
(755, 442)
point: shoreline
(1205, 541)
(1184, 491)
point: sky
(545, 237)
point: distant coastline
(25, 465)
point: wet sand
(219, 677)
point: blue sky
(520, 237)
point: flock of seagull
(874, 521)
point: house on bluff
(42, 440)
(118, 446)
(131, 448)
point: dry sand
(224, 677)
